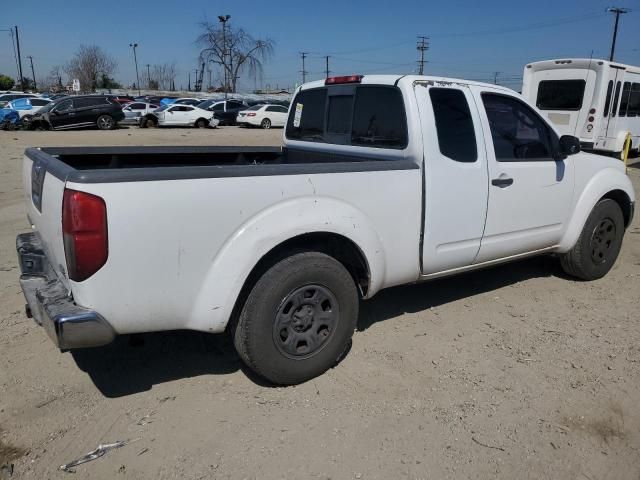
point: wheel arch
(608, 183)
(280, 231)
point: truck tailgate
(43, 202)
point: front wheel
(266, 123)
(105, 122)
(298, 318)
(201, 123)
(599, 243)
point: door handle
(502, 182)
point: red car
(121, 99)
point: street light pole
(617, 11)
(148, 77)
(135, 59)
(224, 19)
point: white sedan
(173, 115)
(265, 116)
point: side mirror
(569, 145)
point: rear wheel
(266, 123)
(599, 243)
(105, 122)
(298, 318)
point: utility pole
(33, 74)
(303, 71)
(19, 60)
(224, 19)
(327, 71)
(422, 46)
(189, 84)
(495, 77)
(148, 76)
(617, 11)
(135, 58)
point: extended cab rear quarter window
(356, 115)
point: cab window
(518, 133)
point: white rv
(595, 100)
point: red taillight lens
(84, 228)
(251, 114)
(345, 79)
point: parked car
(8, 97)
(265, 116)
(225, 111)
(28, 106)
(79, 111)
(121, 99)
(177, 115)
(382, 181)
(155, 99)
(188, 101)
(135, 110)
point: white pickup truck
(382, 181)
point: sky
(468, 39)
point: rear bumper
(51, 305)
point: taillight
(251, 114)
(345, 79)
(84, 228)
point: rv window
(560, 94)
(633, 110)
(607, 102)
(616, 97)
(624, 100)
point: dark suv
(78, 112)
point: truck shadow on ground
(133, 364)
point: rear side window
(518, 133)
(607, 102)
(454, 125)
(560, 94)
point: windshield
(164, 107)
(206, 104)
(255, 107)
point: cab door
(530, 190)
(455, 176)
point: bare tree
(164, 75)
(88, 65)
(52, 82)
(235, 50)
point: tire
(105, 122)
(599, 243)
(266, 124)
(298, 319)
(201, 123)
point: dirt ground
(514, 372)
